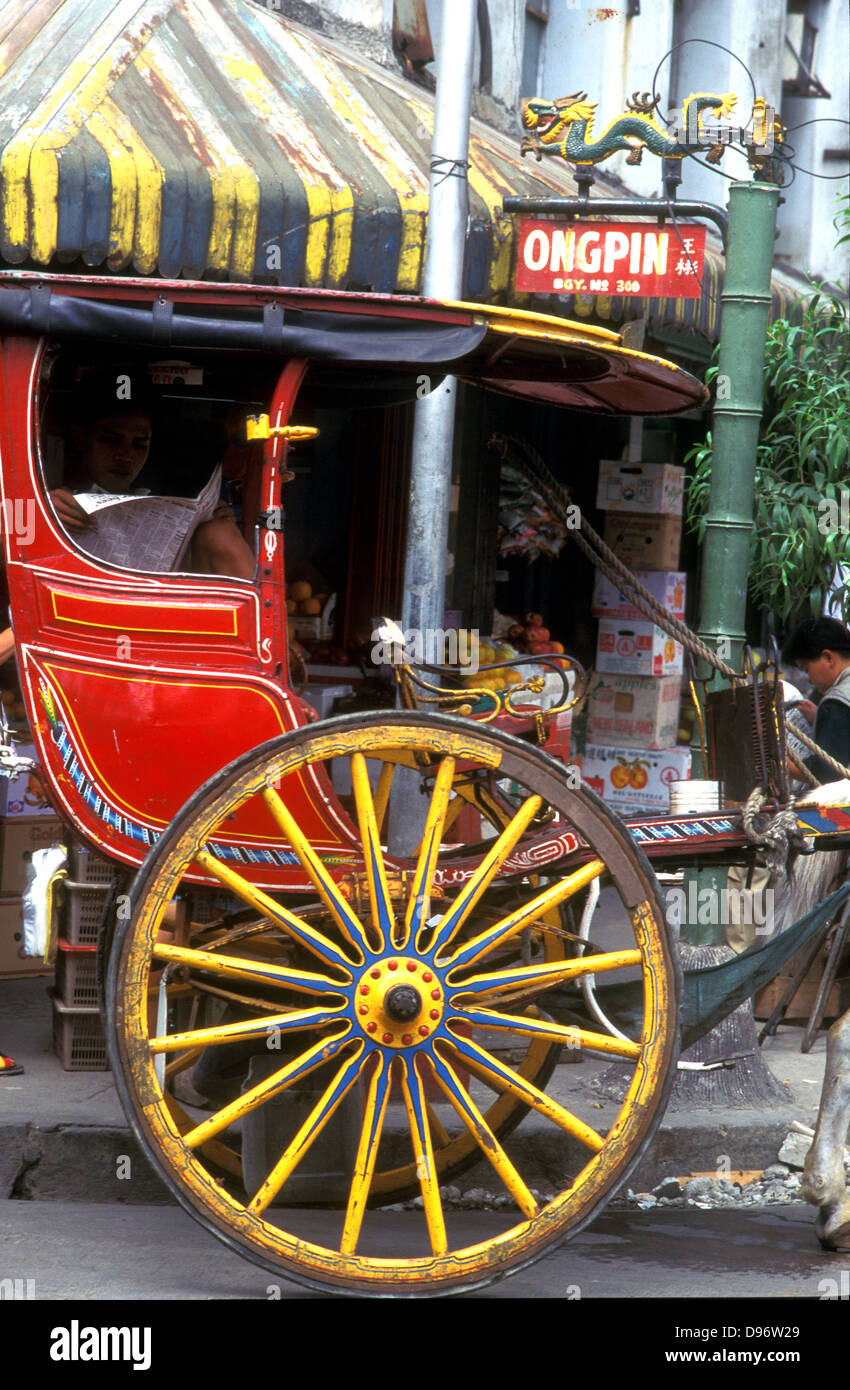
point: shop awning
(701, 315)
(214, 139)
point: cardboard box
(313, 629)
(644, 542)
(557, 744)
(633, 711)
(636, 649)
(655, 489)
(633, 780)
(23, 796)
(12, 960)
(667, 586)
(19, 837)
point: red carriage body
(140, 686)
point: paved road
(108, 1251)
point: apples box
(23, 795)
(644, 542)
(635, 780)
(653, 488)
(636, 649)
(636, 711)
(667, 586)
(19, 838)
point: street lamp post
(433, 426)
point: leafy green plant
(802, 486)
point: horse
(798, 890)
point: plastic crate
(84, 904)
(78, 1038)
(76, 976)
(89, 867)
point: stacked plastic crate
(78, 1037)
(635, 690)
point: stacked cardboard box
(635, 690)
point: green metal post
(737, 414)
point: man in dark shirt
(821, 647)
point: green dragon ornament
(564, 127)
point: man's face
(114, 450)
(824, 669)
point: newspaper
(143, 532)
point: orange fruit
(300, 589)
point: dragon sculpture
(564, 127)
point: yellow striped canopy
(213, 139)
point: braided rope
(779, 838)
(603, 557)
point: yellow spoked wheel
(398, 1024)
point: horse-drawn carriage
(307, 925)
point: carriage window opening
(146, 463)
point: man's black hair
(103, 393)
(814, 636)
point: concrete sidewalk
(63, 1135)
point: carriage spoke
(490, 865)
(419, 907)
(484, 1136)
(290, 921)
(242, 968)
(351, 928)
(526, 915)
(532, 978)
(266, 1090)
(309, 1131)
(290, 1022)
(382, 793)
(367, 1153)
(502, 1077)
(376, 878)
(567, 1035)
(438, 1129)
(423, 1153)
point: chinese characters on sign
(629, 258)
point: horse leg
(823, 1176)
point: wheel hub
(402, 1003)
(399, 1001)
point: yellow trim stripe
(131, 606)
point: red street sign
(611, 258)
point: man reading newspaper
(123, 526)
